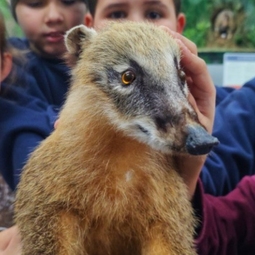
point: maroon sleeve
(227, 223)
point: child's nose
(53, 13)
(136, 16)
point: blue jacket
(29, 108)
(43, 78)
(24, 122)
(234, 126)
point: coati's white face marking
(137, 66)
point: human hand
(202, 89)
(202, 97)
(10, 242)
(56, 124)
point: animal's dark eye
(128, 77)
(182, 76)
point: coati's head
(136, 65)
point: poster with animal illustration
(221, 25)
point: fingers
(200, 85)
(196, 69)
(10, 242)
(199, 81)
(5, 237)
(189, 44)
(194, 66)
(56, 123)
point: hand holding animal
(105, 181)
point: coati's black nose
(199, 142)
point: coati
(224, 24)
(105, 181)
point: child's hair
(3, 41)
(18, 56)
(13, 4)
(93, 3)
(4, 46)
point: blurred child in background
(42, 80)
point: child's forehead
(132, 2)
(49, 1)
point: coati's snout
(198, 141)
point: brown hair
(18, 56)
(3, 41)
(93, 3)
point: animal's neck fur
(104, 155)
(101, 141)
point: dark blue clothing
(44, 78)
(28, 108)
(234, 157)
(24, 122)
(222, 92)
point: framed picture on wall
(221, 25)
(224, 32)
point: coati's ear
(76, 39)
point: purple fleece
(227, 222)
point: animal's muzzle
(199, 142)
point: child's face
(160, 12)
(44, 23)
(5, 65)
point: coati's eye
(128, 77)
(182, 76)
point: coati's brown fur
(105, 182)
